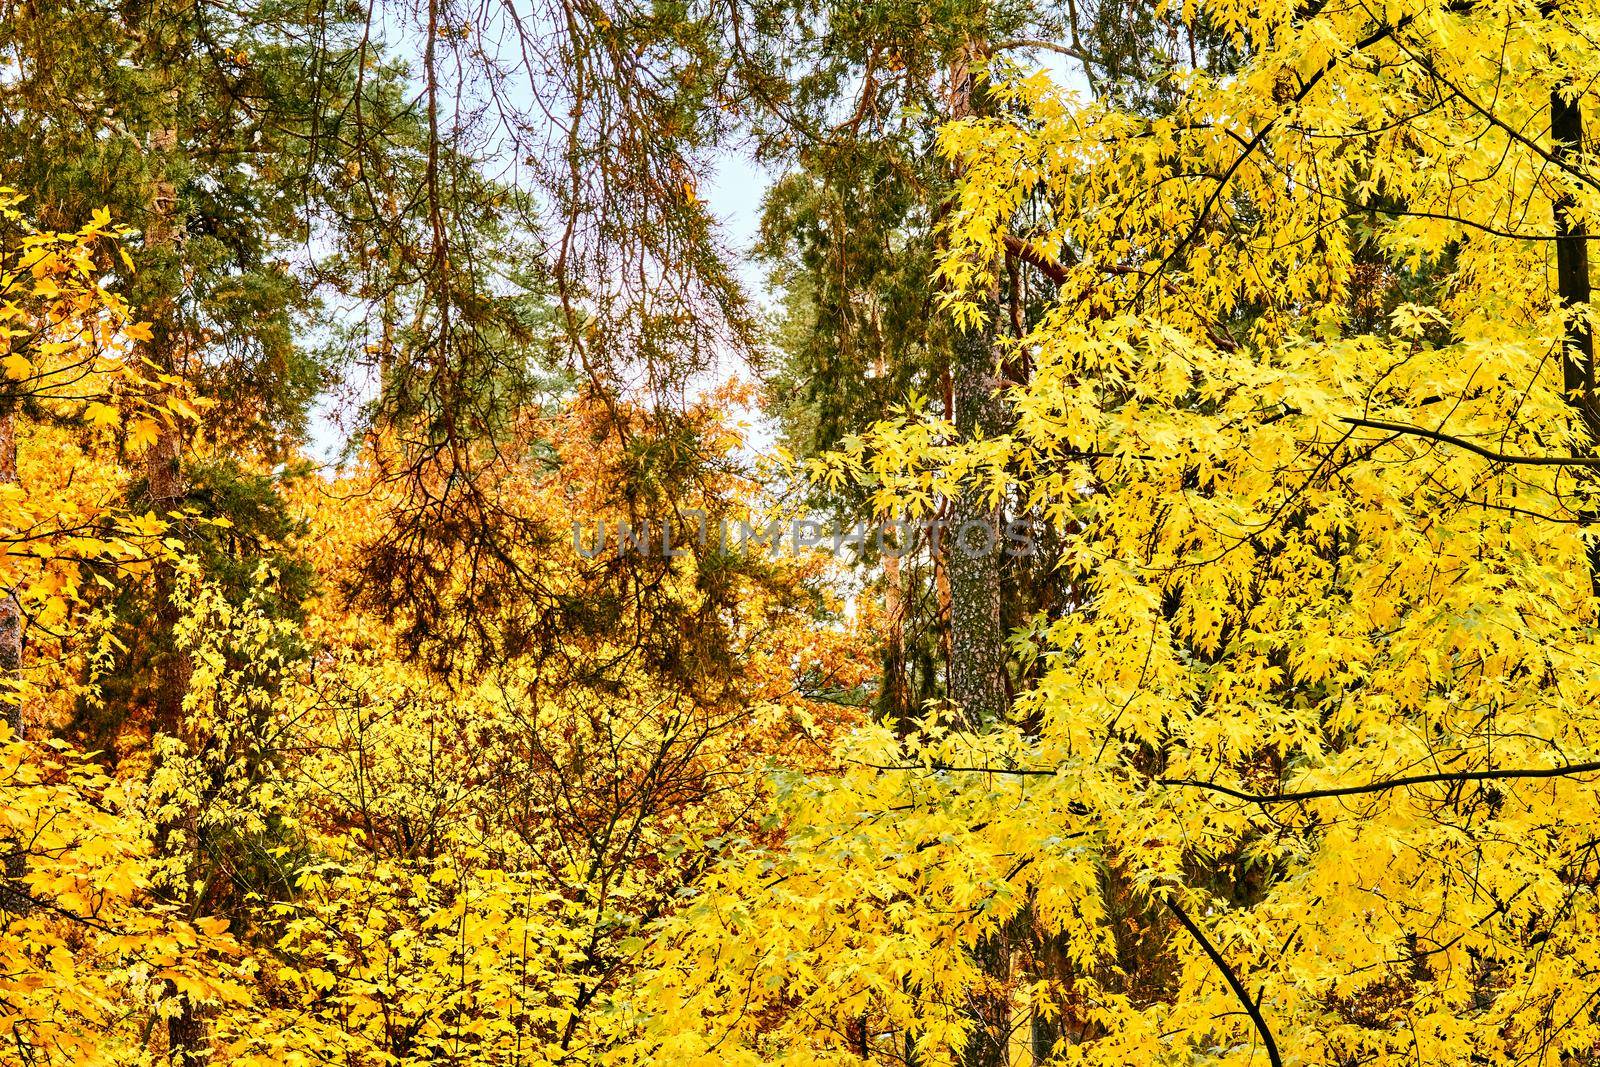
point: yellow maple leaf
(142, 433)
(100, 414)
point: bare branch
(1251, 1008)
(1031, 255)
(1498, 457)
(1504, 774)
(1018, 43)
(1387, 784)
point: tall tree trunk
(177, 838)
(971, 545)
(10, 607)
(989, 1044)
(895, 700)
(1573, 294)
(12, 898)
(186, 1031)
(971, 541)
(1049, 960)
(971, 550)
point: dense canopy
(1123, 588)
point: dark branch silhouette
(1251, 1007)
(1504, 774)
(1486, 453)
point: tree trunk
(10, 606)
(989, 1044)
(971, 544)
(894, 704)
(971, 540)
(186, 1031)
(12, 899)
(1573, 293)
(970, 547)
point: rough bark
(971, 545)
(971, 541)
(970, 549)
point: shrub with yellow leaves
(88, 959)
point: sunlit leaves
(92, 954)
(1304, 337)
